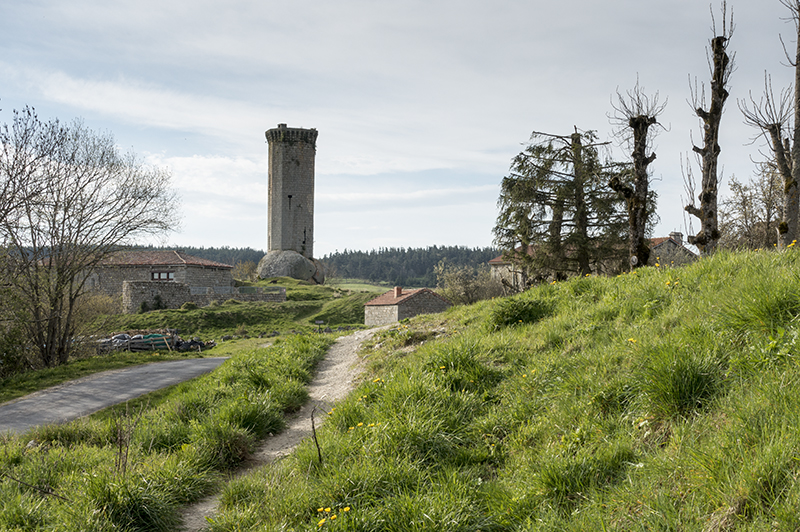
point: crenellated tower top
(292, 135)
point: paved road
(82, 397)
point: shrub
(189, 305)
(464, 285)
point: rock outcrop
(292, 264)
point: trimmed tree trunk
(581, 212)
(636, 197)
(788, 229)
(706, 239)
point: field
(665, 399)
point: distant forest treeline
(404, 266)
(412, 267)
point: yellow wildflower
(333, 517)
(346, 509)
(327, 509)
(632, 340)
(359, 425)
(321, 522)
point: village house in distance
(168, 279)
(664, 251)
(398, 304)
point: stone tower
(290, 202)
(290, 225)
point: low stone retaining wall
(160, 294)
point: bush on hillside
(464, 285)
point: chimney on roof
(676, 236)
(398, 291)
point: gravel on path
(335, 377)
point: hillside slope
(665, 399)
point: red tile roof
(159, 258)
(389, 299)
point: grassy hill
(306, 303)
(666, 399)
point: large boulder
(290, 264)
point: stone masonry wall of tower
(290, 219)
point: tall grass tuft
(519, 310)
(677, 383)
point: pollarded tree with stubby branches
(73, 199)
(557, 216)
(636, 118)
(710, 114)
(778, 119)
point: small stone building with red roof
(398, 304)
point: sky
(420, 105)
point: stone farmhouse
(168, 279)
(398, 304)
(670, 251)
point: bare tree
(635, 116)
(75, 200)
(749, 216)
(721, 65)
(778, 120)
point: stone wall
(290, 190)
(375, 315)
(110, 279)
(174, 294)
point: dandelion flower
(359, 425)
(333, 517)
(657, 265)
(321, 522)
(346, 509)
(441, 367)
(524, 375)
(632, 340)
(327, 510)
(320, 509)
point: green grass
(306, 304)
(358, 285)
(134, 466)
(667, 399)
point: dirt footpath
(335, 378)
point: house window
(162, 276)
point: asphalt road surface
(85, 396)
